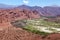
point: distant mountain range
(44, 11)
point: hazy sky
(31, 2)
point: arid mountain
(52, 10)
(8, 15)
(24, 7)
(44, 11)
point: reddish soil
(55, 36)
(18, 34)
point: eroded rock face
(15, 14)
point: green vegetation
(49, 24)
(41, 22)
(37, 26)
(34, 30)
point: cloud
(25, 1)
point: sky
(32, 2)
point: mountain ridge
(44, 11)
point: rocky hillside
(8, 15)
(18, 34)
